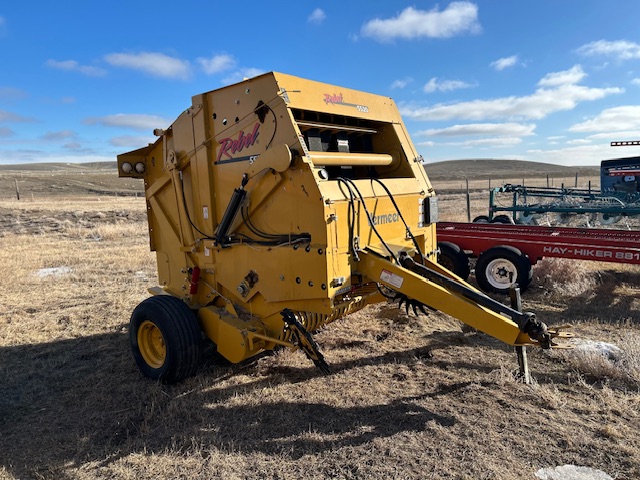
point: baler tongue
(559, 332)
(430, 285)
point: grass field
(408, 397)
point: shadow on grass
(67, 403)
(604, 303)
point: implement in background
(617, 200)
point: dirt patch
(39, 221)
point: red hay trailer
(507, 252)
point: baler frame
(361, 213)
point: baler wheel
(498, 268)
(165, 339)
(454, 259)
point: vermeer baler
(277, 205)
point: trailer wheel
(165, 339)
(502, 219)
(609, 219)
(454, 259)
(498, 268)
(481, 219)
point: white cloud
(401, 83)
(11, 93)
(152, 63)
(611, 120)
(579, 141)
(635, 81)
(32, 156)
(6, 116)
(619, 49)
(242, 74)
(216, 64)
(131, 141)
(535, 106)
(505, 62)
(445, 85)
(575, 155)
(74, 66)
(494, 129)
(55, 136)
(620, 135)
(317, 16)
(6, 132)
(72, 146)
(458, 18)
(500, 142)
(134, 121)
(538, 105)
(567, 77)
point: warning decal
(391, 278)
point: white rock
(608, 350)
(571, 472)
(53, 272)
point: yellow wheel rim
(151, 344)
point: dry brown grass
(408, 397)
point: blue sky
(550, 81)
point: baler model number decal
(587, 252)
(337, 99)
(229, 145)
(391, 278)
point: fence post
(468, 202)
(17, 190)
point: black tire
(498, 268)
(506, 219)
(454, 259)
(481, 219)
(165, 339)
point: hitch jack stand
(521, 351)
